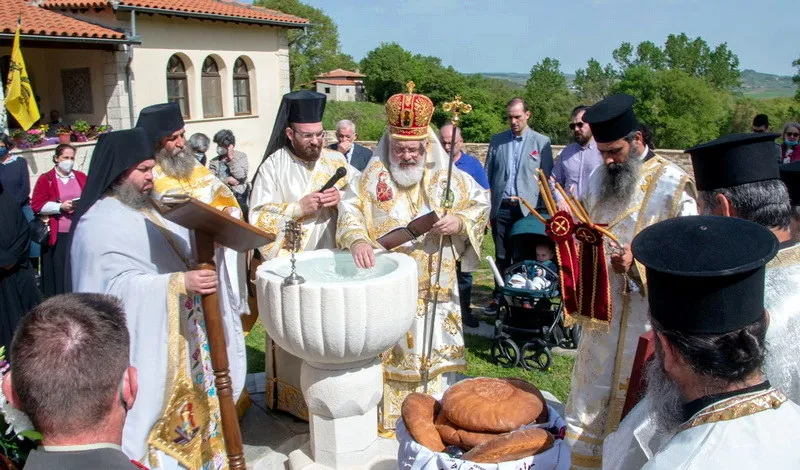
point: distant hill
(755, 84)
(766, 85)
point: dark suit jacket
(106, 459)
(361, 156)
(536, 153)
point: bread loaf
(418, 412)
(510, 446)
(490, 405)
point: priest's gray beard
(130, 195)
(620, 180)
(407, 176)
(666, 401)
(178, 165)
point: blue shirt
(574, 166)
(471, 166)
(513, 166)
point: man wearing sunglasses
(577, 161)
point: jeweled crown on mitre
(409, 115)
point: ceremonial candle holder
(293, 235)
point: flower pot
(63, 138)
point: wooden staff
(219, 359)
(530, 208)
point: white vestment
(282, 180)
(231, 277)
(756, 430)
(639, 438)
(606, 351)
(120, 251)
(375, 205)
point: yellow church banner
(20, 100)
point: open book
(417, 227)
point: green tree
(549, 100)
(796, 79)
(718, 66)
(313, 52)
(683, 110)
(594, 82)
(387, 68)
(779, 110)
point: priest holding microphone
(299, 179)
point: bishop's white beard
(407, 176)
(664, 397)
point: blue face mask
(790, 144)
(3, 151)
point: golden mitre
(409, 115)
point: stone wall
(479, 150)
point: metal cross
(456, 107)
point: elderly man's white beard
(409, 175)
(663, 397)
(178, 165)
(619, 181)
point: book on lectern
(416, 228)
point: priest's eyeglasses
(309, 135)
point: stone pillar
(284, 74)
(115, 91)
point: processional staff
(457, 107)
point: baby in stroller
(539, 276)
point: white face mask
(222, 151)
(66, 165)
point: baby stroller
(530, 320)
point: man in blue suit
(357, 155)
(511, 165)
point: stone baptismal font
(339, 319)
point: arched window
(212, 89)
(178, 84)
(241, 88)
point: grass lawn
(479, 361)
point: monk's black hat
(160, 120)
(705, 274)
(296, 107)
(734, 159)
(612, 118)
(790, 175)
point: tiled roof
(39, 22)
(335, 81)
(224, 8)
(339, 73)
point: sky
(511, 36)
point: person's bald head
(446, 138)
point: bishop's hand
(363, 255)
(447, 225)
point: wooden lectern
(637, 383)
(210, 225)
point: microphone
(340, 172)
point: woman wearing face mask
(790, 152)
(230, 166)
(199, 143)
(56, 195)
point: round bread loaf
(544, 416)
(418, 412)
(490, 405)
(511, 446)
(462, 438)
